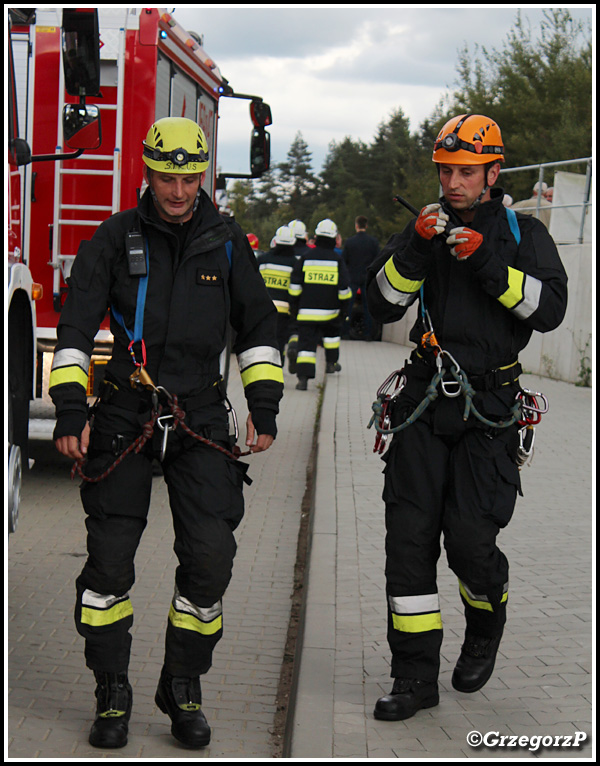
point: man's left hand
(263, 441)
(463, 242)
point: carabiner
(165, 428)
(230, 409)
(525, 448)
(400, 379)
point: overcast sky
(336, 71)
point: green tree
(297, 183)
(539, 90)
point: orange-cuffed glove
(463, 242)
(431, 221)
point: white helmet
(298, 229)
(326, 228)
(284, 236)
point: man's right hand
(431, 221)
(73, 447)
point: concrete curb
(311, 733)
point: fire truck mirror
(81, 51)
(260, 152)
(81, 126)
(260, 114)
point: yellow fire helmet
(176, 145)
(469, 139)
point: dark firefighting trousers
(310, 334)
(456, 480)
(205, 495)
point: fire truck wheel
(15, 474)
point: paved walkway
(50, 691)
(542, 685)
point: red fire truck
(149, 67)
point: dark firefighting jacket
(192, 294)
(484, 309)
(276, 268)
(320, 286)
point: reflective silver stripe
(98, 601)
(430, 602)
(478, 597)
(204, 614)
(391, 295)
(343, 294)
(320, 312)
(283, 304)
(532, 292)
(276, 267)
(259, 355)
(329, 264)
(70, 356)
(332, 340)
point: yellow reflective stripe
(305, 357)
(321, 274)
(398, 282)
(417, 623)
(295, 290)
(477, 603)
(72, 374)
(189, 622)
(261, 372)
(275, 278)
(331, 343)
(514, 294)
(99, 617)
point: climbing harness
(173, 417)
(167, 419)
(527, 409)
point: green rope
(432, 393)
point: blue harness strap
(514, 224)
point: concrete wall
(557, 354)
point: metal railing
(584, 204)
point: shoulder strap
(513, 223)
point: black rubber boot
(113, 710)
(333, 367)
(407, 696)
(181, 700)
(302, 384)
(476, 662)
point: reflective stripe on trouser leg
(485, 613)
(415, 634)
(104, 621)
(306, 362)
(192, 632)
(332, 348)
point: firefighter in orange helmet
(174, 274)
(485, 278)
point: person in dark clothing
(485, 278)
(174, 274)
(359, 253)
(276, 268)
(298, 229)
(319, 294)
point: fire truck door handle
(33, 180)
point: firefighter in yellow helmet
(485, 278)
(174, 274)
